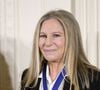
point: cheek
(60, 43)
(41, 43)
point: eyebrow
(52, 32)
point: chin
(51, 59)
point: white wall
(87, 13)
(18, 19)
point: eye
(43, 36)
(56, 35)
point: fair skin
(51, 44)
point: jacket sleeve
(22, 78)
(96, 82)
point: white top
(49, 81)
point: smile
(49, 51)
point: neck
(54, 69)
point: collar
(48, 75)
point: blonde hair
(74, 56)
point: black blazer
(94, 85)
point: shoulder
(94, 77)
(23, 81)
(24, 73)
(94, 74)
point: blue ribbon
(58, 81)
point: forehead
(52, 25)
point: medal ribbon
(58, 81)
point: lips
(49, 51)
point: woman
(59, 61)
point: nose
(48, 41)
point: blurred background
(18, 19)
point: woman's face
(52, 40)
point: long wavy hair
(74, 56)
